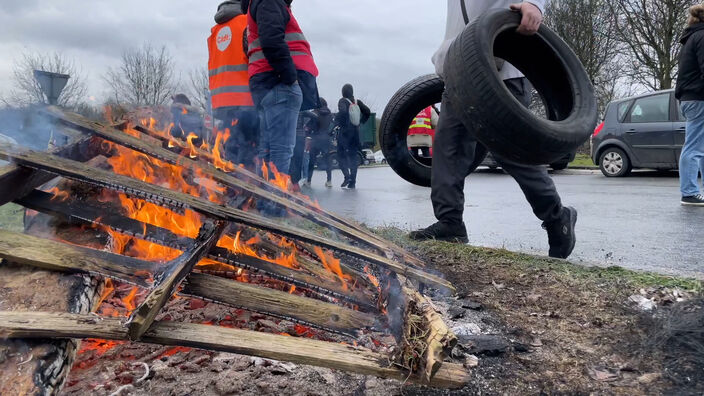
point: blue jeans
(692, 159)
(278, 114)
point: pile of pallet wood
(49, 288)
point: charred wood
(295, 350)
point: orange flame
(59, 194)
(332, 265)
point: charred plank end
(144, 315)
(269, 346)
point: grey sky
(375, 45)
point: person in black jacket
(348, 142)
(690, 92)
(319, 127)
(282, 76)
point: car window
(622, 109)
(651, 109)
(680, 116)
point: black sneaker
(694, 200)
(442, 232)
(345, 183)
(561, 233)
(351, 185)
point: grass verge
(11, 217)
(582, 161)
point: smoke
(28, 128)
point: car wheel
(613, 162)
(494, 114)
(403, 107)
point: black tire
(614, 162)
(403, 107)
(499, 121)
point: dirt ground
(572, 329)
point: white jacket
(455, 26)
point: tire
(613, 162)
(403, 107)
(500, 122)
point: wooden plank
(81, 172)
(270, 346)
(42, 202)
(56, 256)
(171, 278)
(290, 201)
(277, 303)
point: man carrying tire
(455, 144)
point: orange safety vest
(297, 43)
(422, 124)
(228, 64)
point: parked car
(379, 157)
(645, 131)
(367, 157)
(559, 165)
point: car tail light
(598, 129)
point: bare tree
(26, 90)
(650, 31)
(591, 32)
(145, 77)
(199, 87)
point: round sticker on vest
(224, 38)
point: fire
(332, 265)
(235, 245)
(58, 194)
(129, 300)
(371, 277)
(108, 289)
(280, 180)
(99, 346)
(193, 150)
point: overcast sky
(375, 45)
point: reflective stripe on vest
(228, 65)
(422, 123)
(256, 44)
(297, 43)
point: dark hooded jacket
(272, 17)
(349, 133)
(690, 80)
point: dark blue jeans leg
(278, 113)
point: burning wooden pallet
(191, 207)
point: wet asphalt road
(635, 222)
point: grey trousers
(453, 154)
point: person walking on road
(455, 144)
(351, 114)
(320, 142)
(690, 92)
(282, 76)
